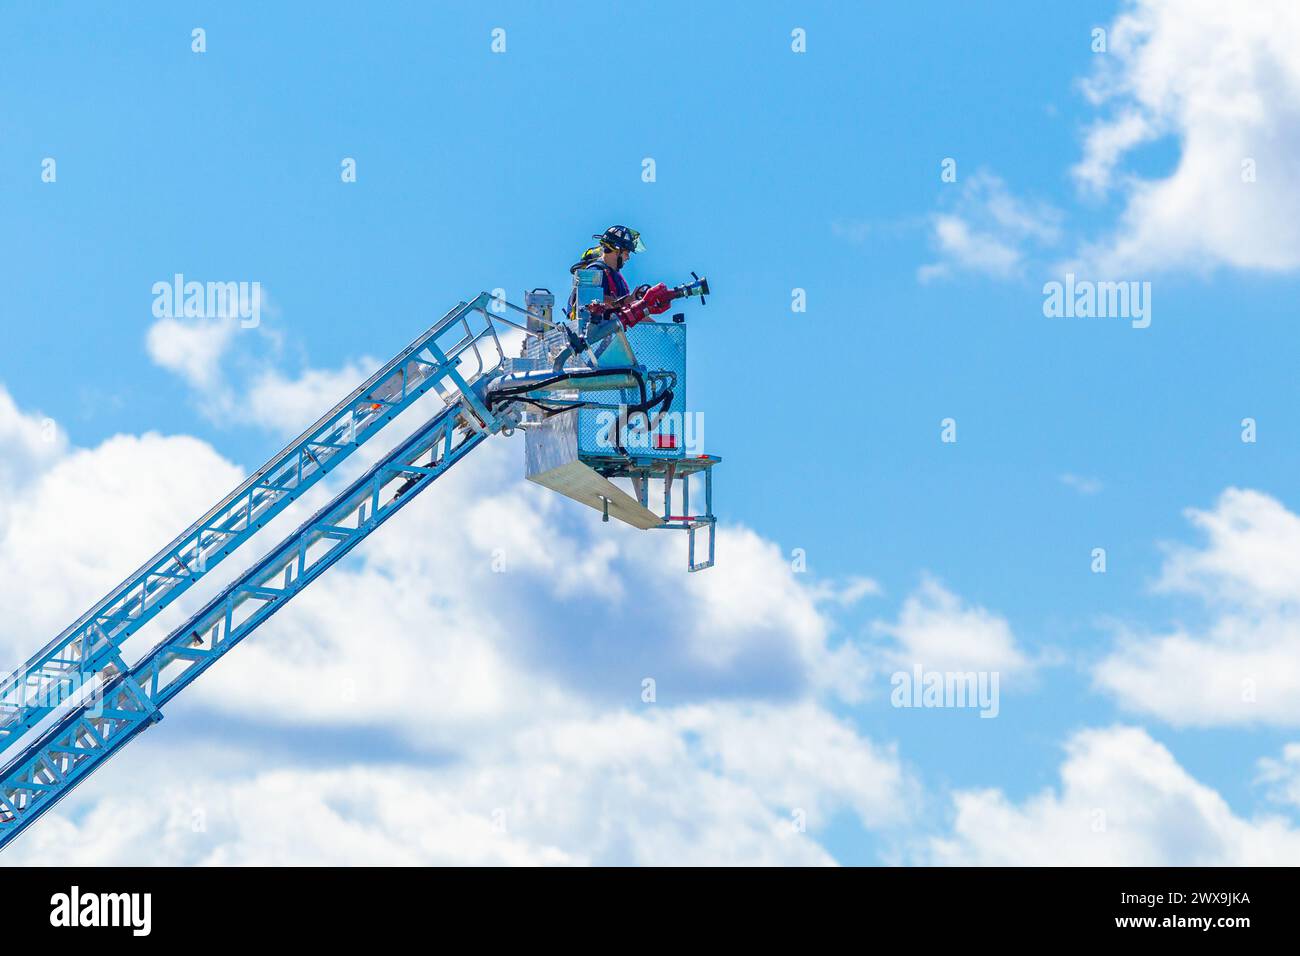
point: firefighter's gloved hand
(658, 298)
(630, 315)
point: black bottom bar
(387, 908)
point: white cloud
(698, 785)
(429, 592)
(25, 436)
(279, 403)
(1106, 144)
(988, 230)
(936, 631)
(525, 685)
(1082, 483)
(87, 517)
(1123, 800)
(1252, 556)
(1281, 775)
(1243, 665)
(964, 248)
(754, 614)
(246, 386)
(1239, 671)
(800, 756)
(191, 348)
(846, 593)
(28, 443)
(495, 599)
(1224, 82)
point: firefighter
(609, 255)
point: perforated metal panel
(659, 346)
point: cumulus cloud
(1123, 800)
(697, 785)
(937, 631)
(29, 443)
(288, 404)
(28, 440)
(1224, 84)
(78, 520)
(1281, 775)
(846, 593)
(988, 230)
(1221, 85)
(500, 599)
(191, 348)
(499, 642)
(1251, 557)
(484, 564)
(237, 376)
(1242, 665)
(247, 385)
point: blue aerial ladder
(599, 398)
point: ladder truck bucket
(628, 420)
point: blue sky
(775, 171)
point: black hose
(504, 394)
(548, 410)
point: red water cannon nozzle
(652, 300)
